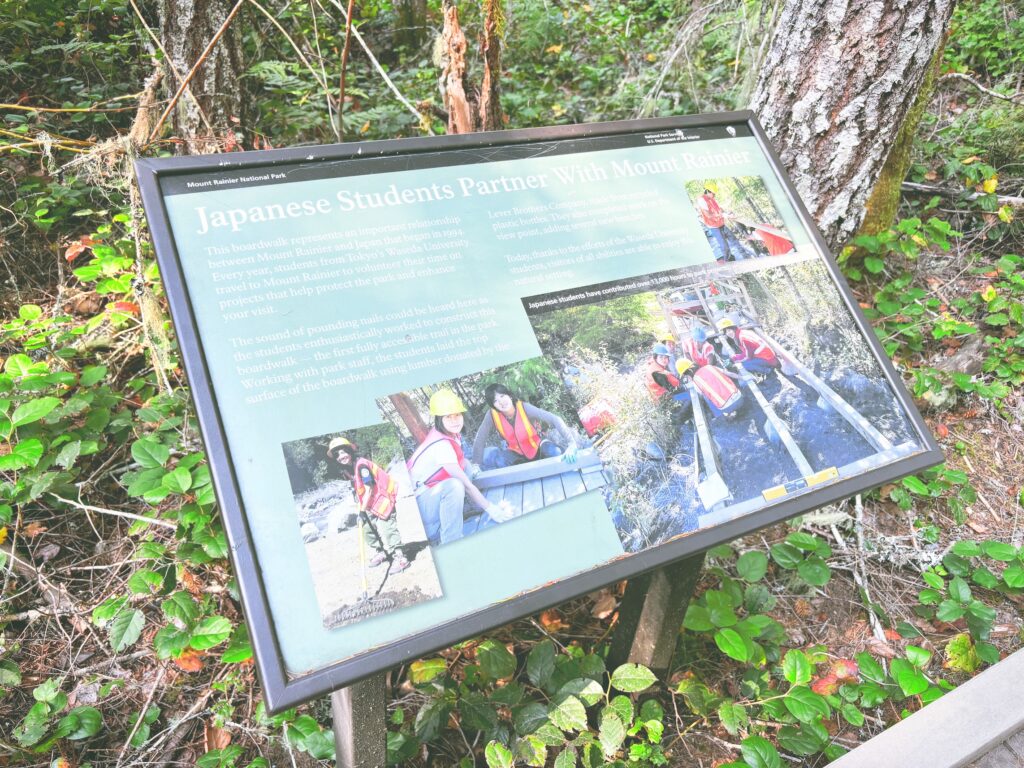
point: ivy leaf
(498, 755)
(568, 714)
(33, 410)
(611, 731)
(211, 631)
(759, 753)
(796, 667)
(125, 629)
(540, 663)
(632, 678)
(495, 660)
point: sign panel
(445, 383)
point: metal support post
(360, 731)
(651, 615)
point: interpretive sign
(445, 383)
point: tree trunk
(469, 108)
(839, 80)
(410, 416)
(412, 23)
(186, 28)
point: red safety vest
(377, 499)
(750, 341)
(657, 391)
(716, 386)
(699, 354)
(710, 212)
(521, 436)
(440, 473)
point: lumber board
(553, 491)
(533, 470)
(533, 495)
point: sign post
(447, 383)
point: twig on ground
(859, 571)
(142, 713)
(116, 513)
(987, 91)
(933, 189)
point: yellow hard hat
(666, 337)
(336, 443)
(683, 365)
(711, 186)
(445, 402)
(724, 323)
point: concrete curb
(958, 728)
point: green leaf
(239, 646)
(914, 485)
(852, 715)
(92, 374)
(211, 631)
(10, 675)
(529, 717)
(1014, 576)
(81, 723)
(47, 691)
(421, 672)
(569, 714)
(125, 629)
(966, 549)
(495, 660)
(814, 571)
(566, 759)
(145, 582)
(961, 655)
(177, 480)
(786, 556)
(796, 667)
(33, 410)
(997, 550)
(149, 453)
(611, 731)
(698, 618)
(908, 677)
(586, 690)
(632, 678)
(531, 751)
(498, 755)
(623, 707)
(917, 656)
(959, 590)
(540, 663)
(731, 643)
(431, 719)
(180, 607)
(170, 642)
(759, 753)
(733, 716)
(806, 705)
(949, 610)
(477, 712)
(752, 565)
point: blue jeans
(496, 458)
(757, 365)
(441, 510)
(719, 243)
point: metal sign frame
(280, 691)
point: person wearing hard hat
(714, 384)
(673, 349)
(660, 379)
(515, 422)
(440, 473)
(713, 218)
(376, 492)
(754, 354)
(697, 348)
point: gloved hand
(472, 470)
(569, 456)
(501, 512)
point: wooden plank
(593, 478)
(533, 470)
(553, 492)
(496, 494)
(533, 495)
(514, 497)
(781, 429)
(572, 484)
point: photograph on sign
(446, 383)
(365, 545)
(711, 393)
(481, 453)
(739, 218)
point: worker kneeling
(754, 353)
(715, 385)
(516, 423)
(660, 379)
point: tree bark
(470, 108)
(839, 80)
(186, 28)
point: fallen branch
(987, 91)
(116, 513)
(932, 189)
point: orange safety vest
(440, 473)
(699, 355)
(750, 341)
(710, 212)
(377, 499)
(657, 391)
(522, 436)
(716, 386)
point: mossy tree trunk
(470, 107)
(840, 79)
(203, 119)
